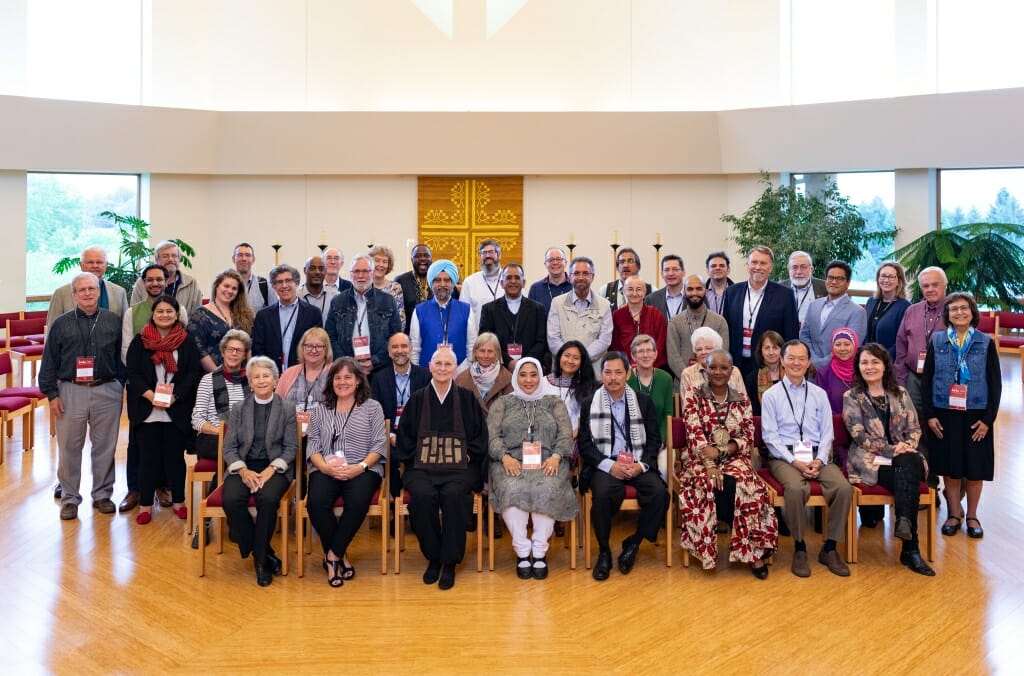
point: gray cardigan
(282, 439)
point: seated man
(618, 440)
(443, 442)
(796, 424)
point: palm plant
(983, 259)
(134, 252)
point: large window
(982, 196)
(64, 218)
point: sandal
(952, 525)
(334, 578)
(347, 572)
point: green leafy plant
(134, 252)
(980, 258)
(827, 227)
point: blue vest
(429, 315)
(946, 370)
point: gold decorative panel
(456, 213)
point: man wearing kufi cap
(442, 320)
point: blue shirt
(780, 422)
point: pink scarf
(843, 368)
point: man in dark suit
(806, 287)
(415, 288)
(521, 324)
(670, 298)
(283, 322)
(757, 305)
(392, 388)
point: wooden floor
(101, 595)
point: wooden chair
(212, 506)
(877, 495)
(1009, 331)
(31, 352)
(33, 393)
(8, 341)
(570, 538)
(675, 442)
(197, 471)
(16, 407)
(379, 504)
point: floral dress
(754, 526)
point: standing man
(333, 260)
(360, 320)
(682, 326)
(278, 328)
(755, 306)
(484, 286)
(442, 321)
(415, 287)
(806, 287)
(443, 443)
(831, 312)
(718, 266)
(581, 315)
(183, 287)
(796, 423)
(83, 377)
(627, 261)
(314, 291)
(669, 299)
(112, 297)
(520, 324)
(619, 439)
(555, 283)
(258, 289)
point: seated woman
(529, 435)
(228, 309)
(347, 452)
(304, 384)
(220, 391)
(768, 357)
(656, 384)
(718, 478)
(163, 373)
(705, 340)
(259, 452)
(836, 378)
(884, 433)
(486, 377)
(572, 378)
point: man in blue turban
(442, 320)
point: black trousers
(442, 537)
(337, 533)
(161, 445)
(903, 480)
(607, 494)
(253, 536)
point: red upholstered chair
(9, 342)
(212, 506)
(16, 407)
(1009, 331)
(877, 495)
(31, 352)
(33, 393)
(378, 507)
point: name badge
(302, 417)
(531, 455)
(162, 395)
(336, 459)
(882, 461)
(515, 350)
(444, 346)
(361, 346)
(398, 414)
(958, 397)
(83, 369)
(748, 336)
(802, 451)
(626, 456)
(920, 361)
(693, 360)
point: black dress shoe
(263, 575)
(524, 572)
(762, 572)
(447, 580)
(628, 557)
(914, 562)
(273, 563)
(432, 573)
(540, 572)
(603, 567)
(951, 528)
(975, 532)
(57, 491)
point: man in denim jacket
(362, 319)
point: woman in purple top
(837, 376)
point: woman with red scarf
(163, 372)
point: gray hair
(240, 336)
(280, 270)
(933, 268)
(265, 363)
(706, 333)
(806, 255)
(582, 259)
(166, 244)
(84, 275)
(640, 339)
(94, 248)
(362, 257)
(483, 339)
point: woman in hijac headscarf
(837, 376)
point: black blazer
(592, 457)
(531, 330)
(382, 385)
(266, 331)
(142, 377)
(777, 313)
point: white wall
(13, 194)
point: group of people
(523, 394)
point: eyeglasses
(312, 347)
(554, 259)
(833, 278)
(489, 252)
(959, 308)
(284, 282)
(233, 350)
(627, 261)
(360, 271)
(887, 277)
(645, 350)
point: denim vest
(382, 320)
(428, 314)
(946, 370)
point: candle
(615, 236)
(572, 238)
(323, 237)
(657, 238)
(275, 243)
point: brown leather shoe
(104, 506)
(68, 511)
(130, 502)
(800, 567)
(834, 563)
(163, 496)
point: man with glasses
(519, 323)
(581, 315)
(484, 286)
(278, 328)
(362, 319)
(442, 321)
(315, 291)
(183, 287)
(628, 263)
(257, 288)
(835, 310)
(669, 299)
(555, 283)
(806, 287)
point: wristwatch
(364, 466)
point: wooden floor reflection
(102, 595)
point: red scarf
(163, 347)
